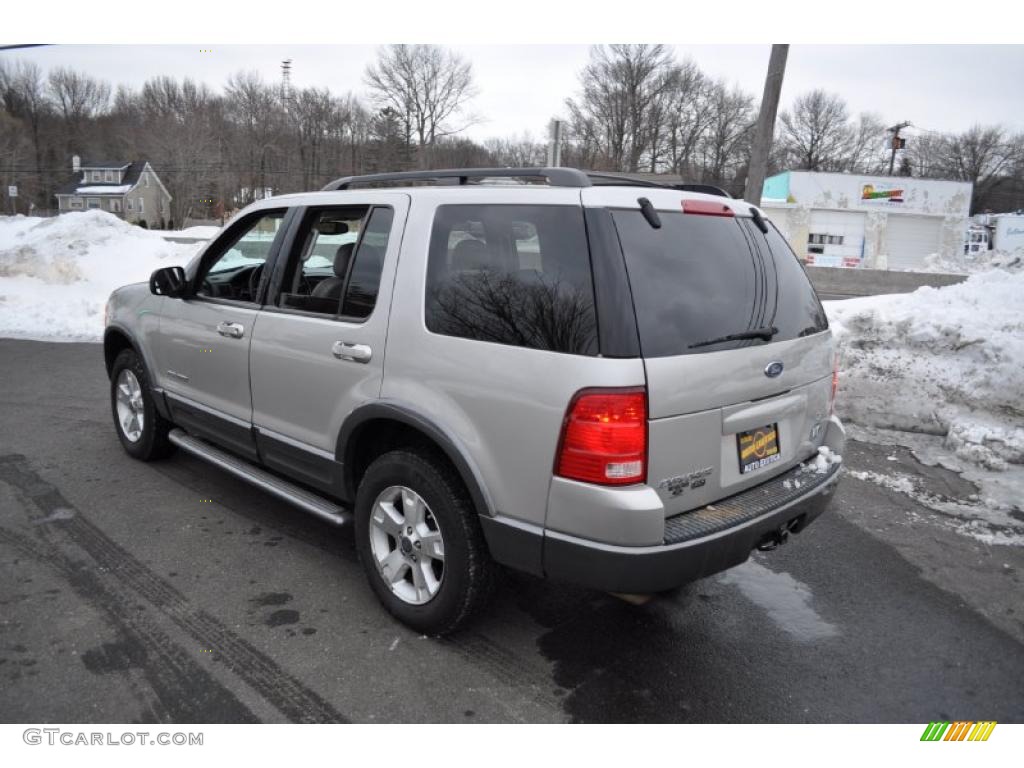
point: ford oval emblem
(773, 369)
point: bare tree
(24, 97)
(78, 99)
(865, 145)
(623, 106)
(726, 141)
(428, 86)
(255, 114)
(516, 152)
(816, 133)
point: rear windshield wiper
(765, 334)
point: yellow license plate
(758, 448)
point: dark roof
(105, 164)
(130, 177)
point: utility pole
(555, 143)
(897, 142)
(765, 124)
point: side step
(293, 494)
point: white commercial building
(879, 222)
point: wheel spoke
(412, 507)
(419, 580)
(394, 567)
(433, 546)
(386, 517)
(124, 395)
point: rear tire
(422, 510)
(141, 429)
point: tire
(466, 573)
(151, 441)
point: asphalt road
(170, 592)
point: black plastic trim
(515, 544)
(409, 416)
(616, 321)
(206, 423)
(301, 465)
(556, 177)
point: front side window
(512, 274)
(337, 266)
(236, 266)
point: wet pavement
(170, 592)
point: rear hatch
(736, 347)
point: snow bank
(962, 264)
(205, 231)
(56, 273)
(946, 361)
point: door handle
(231, 330)
(357, 353)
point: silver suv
(585, 377)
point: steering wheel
(254, 281)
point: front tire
(141, 429)
(420, 542)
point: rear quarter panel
(504, 405)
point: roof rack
(555, 177)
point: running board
(293, 494)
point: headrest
(341, 259)
(470, 255)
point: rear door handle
(357, 353)
(231, 330)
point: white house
(880, 222)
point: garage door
(910, 238)
(835, 238)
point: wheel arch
(372, 428)
(115, 341)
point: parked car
(609, 382)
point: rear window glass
(512, 274)
(700, 278)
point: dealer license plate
(758, 448)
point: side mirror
(168, 281)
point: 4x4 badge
(773, 369)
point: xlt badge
(676, 485)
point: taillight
(604, 437)
(707, 208)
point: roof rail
(555, 177)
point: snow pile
(964, 264)
(944, 361)
(203, 230)
(823, 461)
(56, 273)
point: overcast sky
(936, 87)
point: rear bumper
(653, 569)
(695, 544)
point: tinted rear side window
(699, 278)
(512, 274)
